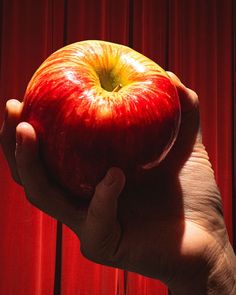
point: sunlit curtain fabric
(193, 38)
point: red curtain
(193, 38)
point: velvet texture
(193, 38)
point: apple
(96, 104)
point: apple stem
(117, 88)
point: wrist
(222, 278)
(216, 276)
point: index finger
(188, 98)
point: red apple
(96, 104)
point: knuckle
(101, 252)
(97, 256)
(84, 252)
(99, 189)
(36, 197)
(90, 253)
(194, 96)
(32, 199)
(95, 213)
(15, 176)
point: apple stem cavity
(117, 88)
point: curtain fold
(193, 38)
(203, 61)
(27, 250)
(234, 122)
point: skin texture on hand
(168, 225)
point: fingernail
(109, 178)
(21, 129)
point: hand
(167, 226)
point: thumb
(102, 230)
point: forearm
(219, 279)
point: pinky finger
(40, 190)
(8, 135)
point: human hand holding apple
(168, 226)
(96, 104)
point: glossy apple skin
(84, 127)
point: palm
(157, 232)
(165, 222)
